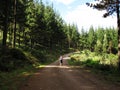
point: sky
(77, 12)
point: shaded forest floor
(56, 77)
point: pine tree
(91, 38)
(105, 43)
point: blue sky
(76, 11)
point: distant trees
(91, 38)
(72, 35)
(99, 40)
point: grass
(105, 64)
(13, 80)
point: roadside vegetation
(17, 65)
(105, 65)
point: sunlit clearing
(66, 58)
(56, 66)
(26, 73)
(40, 66)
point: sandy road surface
(55, 77)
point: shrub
(102, 61)
(90, 63)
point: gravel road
(56, 77)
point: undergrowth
(12, 80)
(104, 64)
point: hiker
(61, 60)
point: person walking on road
(61, 60)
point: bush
(91, 63)
(74, 62)
(102, 61)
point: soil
(65, 77)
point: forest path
(56, 77)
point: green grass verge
(13, 80)
(104, 65)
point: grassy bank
(102, 64)
(12, 80)
(18, 65)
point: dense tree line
(26, 23)
(99, 40)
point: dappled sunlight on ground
(25, 73)
(66, 58)
(56, 66)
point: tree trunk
(118, 25)
(14, 41)
(23, 37)
(19, 38)
(69, 43)
(31, 41)
(5, 25)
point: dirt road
(56, 77)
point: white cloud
(85, 16)
(66, 2)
